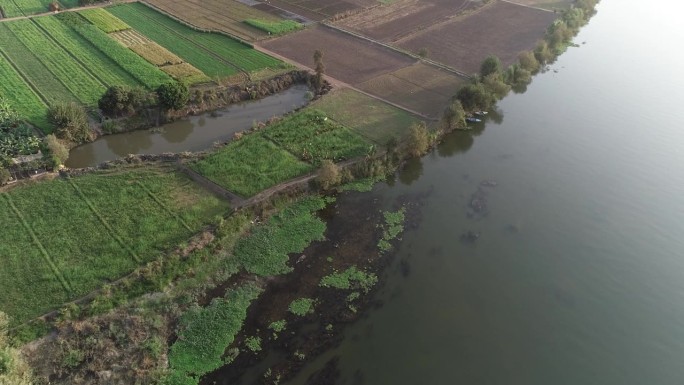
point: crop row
(29, 65)
(186, 73)
(22, 97)
(83, 85)
(10, 9)
(97, 62)
(146, 73)
(156, 54)
(104, 20)
(190, 52)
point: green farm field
(212, 53)
(64, 238)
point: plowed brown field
(502, 29)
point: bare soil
(349, 59)
(400, 18)
(502, 29)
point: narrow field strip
(23, 98)
(163, 206)
(84, 86)
(104, 20)
(96, 62)
(104, 222)
(37, 243)
(33, 69)
(10, 9)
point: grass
(250, 165)
(206, 51)
(352, 278)
(26, 102)
(104, 20)
(103, 67)
(205, 334)
(61, 65)
(274, 27)
(37, 74)
(266, 250)
(393, 226)
(146, 73)
(64, 238)
(369, 117)
(13, 8)
(312, 137)
(301, 306)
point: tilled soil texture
(502, 29)
(403, 17)
(347, 58)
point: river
(194, 133)
(578, 276)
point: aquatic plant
(301, 306)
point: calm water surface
(191, 134)
(578, 277)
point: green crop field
(201, 49)
(250, 165)
(14, 8)
(63, 238)
(24, 100)
(311, 136)
(103, 67)
(104, 20)
(64, 67)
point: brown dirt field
(346, 58)
(221, 15)
(297, 9)
(546, 4)
(502, 29)
(390, 22)
(418, 87)
(322, 8)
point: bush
(454, 116)
(173, 96)
(329, 175)
(528, 61)
(5, 176)
(301, 306)
(495, 86)
(490, 65)
(54, 7)
(418, 140)
(475, 97)
(71, 122)
(57, 150)
(123, 100)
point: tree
(543, 53)
(495, 86)
(173, 95)
(319, 69)
(454, 116)
(418, 140)
(490, 65)
(71, 122)
(474, 96)
(58, 152)
(528, 61)
(329, 175)
(122, 100)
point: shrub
(253, 343)
(173, 96)
(495, 86)
(475, 97)
(490, 65)
(454, 116)
(329, 175)
(71, 122)
(528, 61)
(5, 176)
(54, 6)
(58, 151)
(122, 100)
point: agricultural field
(250, 165)
(24, 100)
(63, 238)
(14, 8)
(394, 20)
(346, 58)
(420, 87)
(211, 53)
(502, 29)
(546, 4)
(321, 9)
(376, 121)
(104, 20)
(226, 16)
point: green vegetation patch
(301, 306)
(275, 27)
(253, 343)
(278, 326)
(352, 278)
(393, 226)
(362, 185)
(313, 137)
(265, 251)
(76, 233)
(250, 165)
(369, 117)
(22, 98)
(104, 20)
(205, 333)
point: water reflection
(412, 171)
(181, 130)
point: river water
(195, 133)
(578, 276)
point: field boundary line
(103, 221)
(163, 206)
(527, 6)
(24, 77)
(46, 256)
(68, 52)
